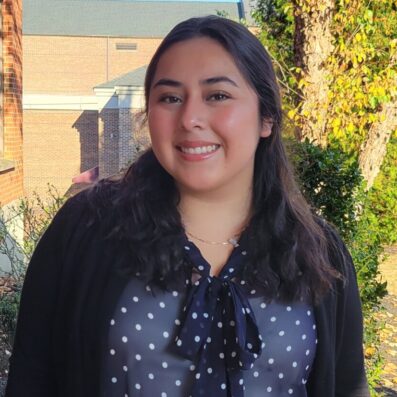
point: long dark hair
(288, 251)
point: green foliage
(277, 29)
(361, 67)
(363, 70)
(276, 32)
(9, 304)
(31, 215)
(366, 249)
(331, 181)
(383, 195)
(361, 77)
(373, 357)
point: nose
(193, 114)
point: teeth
(199, 150)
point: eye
(218, 96)
(170, 99)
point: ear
(266, 129)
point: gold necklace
(231, 241)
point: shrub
(331, 181)
(383, 195)
(35, 215)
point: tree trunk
(312, 47)
(374, 148)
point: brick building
(11, 177)
(84, 63)
(11, 169)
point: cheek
(159, 124)
(239, 122)
(227, 120)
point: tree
(313, 45)
(336, 62)
(342, 54)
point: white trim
(59, 102)
(130, 97)
(104, 98)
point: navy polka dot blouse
(217, 338)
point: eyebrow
(209, 81)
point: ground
(389, 334)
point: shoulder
(79, 213)
(88, 204)
(338, 253)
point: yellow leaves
(292, 113)
(350, 127)
(296, 69)
(336, 130)
(361, 57)
(311, 6)
(287, 8)
(369, 16)
(359, 96)
(372, 117)
(378, 91)
(302, 83)
(345, 106)
(369, 352)
(358, 37)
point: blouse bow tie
(219, 329)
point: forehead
(200, 58)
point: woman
(202, 270)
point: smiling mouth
(199, 149)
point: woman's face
(204, 118)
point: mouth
(205, 149)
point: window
(126, 46)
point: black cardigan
(71, 289)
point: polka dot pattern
(150, 327)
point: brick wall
(53, 150)
(74, 65)
(58, 145)
(133, 136)
(108, 127)
(11, 181)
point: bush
(331, 181)
(35, 215)
(383, 195)
(9, 304)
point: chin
(198, 186)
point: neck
(214, 217)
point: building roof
(135, 78)
(117, 18)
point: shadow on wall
(122, 137)
(110, 140)
(87, 127)
(109, 154)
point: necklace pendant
(233, 242)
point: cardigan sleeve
(31, 363)
(350, 378)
